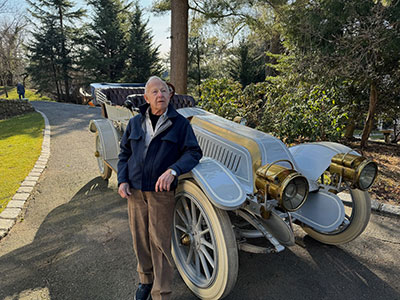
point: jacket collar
(171, 113)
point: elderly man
(157, 146)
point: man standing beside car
(158, 145)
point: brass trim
(350, 166)
(360, 168)
(272, 179)
(239, 139)
(285, 183)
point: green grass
(20, 146)
(30, 94)
(375, 134)
(9, 88)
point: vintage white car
(249, 185)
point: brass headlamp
(283, 184)
(360, 171)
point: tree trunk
(396, 133)
(64, 56)
(56, 80)
(351, 126)
(5, 90)
(179, 44)
(369, 122)
(274, 48)
(198, 67)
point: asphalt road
(74, 243)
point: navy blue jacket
(20, 88)
(175, 148)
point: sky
(159, 25)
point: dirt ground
(386, 188)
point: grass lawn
(30, 94)
(20, 146)
(375, 134)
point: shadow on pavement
(329, 272)
(81, 251)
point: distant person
(21, 90)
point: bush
(221, 96)
(252, 101)
(305, 113)
(289, 109)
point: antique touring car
(248, 186)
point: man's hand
(123, 190)
(164, 181)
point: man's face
(157, 95)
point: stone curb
(8, 217)
(386, 208)
(376, 206)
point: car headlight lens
(360, 171)
(294, 194)
(285, 185)
(367, 175)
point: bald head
(157, 95)
(150, 80)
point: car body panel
(322, 211)
(313, 159)
(109, 137)
(219, 184)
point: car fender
(109, 138)
(219, 184)
(312, 159)
(322, 211)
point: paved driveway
(74, 242)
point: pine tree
(106, 40)
(142, 57)
(245, 65)
(45, 60)
(52, 46)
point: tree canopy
(142, 57)
(106, 40)
(302, 69)
(70, 48)
(348, 40)
(53, 44)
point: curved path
(73, 241)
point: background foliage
(303, 69)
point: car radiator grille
(219, 153)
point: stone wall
(11, 108)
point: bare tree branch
(3, 4)
(11, 52)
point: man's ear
(145, 98)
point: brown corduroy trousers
(150, 221)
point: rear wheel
(358, 212)
(203, 244)
(105, 170)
